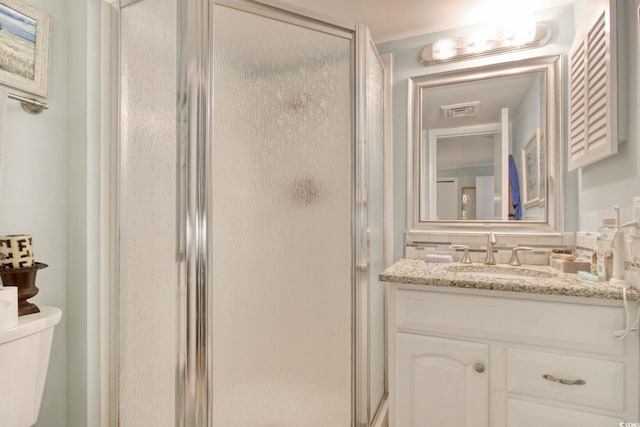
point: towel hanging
(514, 186)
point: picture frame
(25, 47)
(542, 150)
(531, 171)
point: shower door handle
(363, 265)
(365, 239)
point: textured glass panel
(375, 145)
(147, 218)
(282, 288)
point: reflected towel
(514, 186)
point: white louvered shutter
(593, 95)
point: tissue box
(8, 307)
(569, 266)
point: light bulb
(445, 49)
(519, 33)
(480, 41)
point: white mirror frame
(554, 225)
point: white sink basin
(495, 275)
(503, 272)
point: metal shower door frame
(194, 203)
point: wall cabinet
(481, 358)
(597, 108)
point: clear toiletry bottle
(604, 251)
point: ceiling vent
(466, 109)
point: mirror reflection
(482, 153)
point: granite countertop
(530, 279)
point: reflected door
(447, 192)
(468, 203)
(485, 208)
(501, 156)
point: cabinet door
(441, 382)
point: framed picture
(542, 148)
(25, 37)
(531, 170)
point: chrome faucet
(491, 240)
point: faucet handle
(514, 255)
(466, 259)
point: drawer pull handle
(479, 367)
(561, 381)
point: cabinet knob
(479, 368)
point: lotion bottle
(603, 248)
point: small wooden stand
(25, 279)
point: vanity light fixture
(514, 36)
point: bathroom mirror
(484, 148)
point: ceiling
(397, 19)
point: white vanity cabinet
(473, 358)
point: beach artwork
(17, 42)
(25, 47)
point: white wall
(83, 276)
(33, 199)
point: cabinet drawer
(548, 323)
(527, 414)
(603, 380)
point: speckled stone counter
(530, 279)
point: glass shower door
(146, 304)
(372, 342)
(281, 236)
(375, 141)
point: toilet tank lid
(32, 324)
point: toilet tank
(24, 359)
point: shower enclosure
(256, 133)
